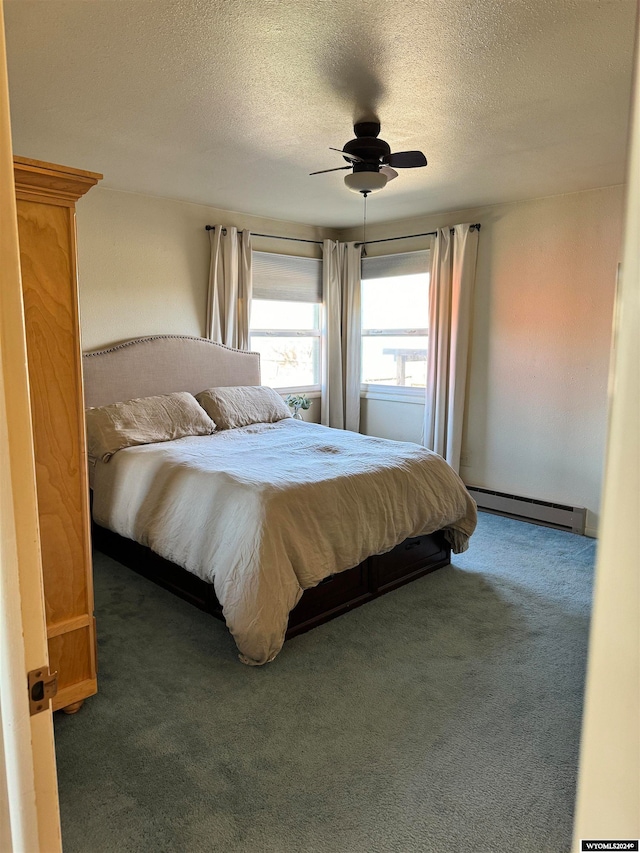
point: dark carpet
(444, 716)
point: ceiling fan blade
(353, 157)
(405, 160)
(389, 172)
(324, 171)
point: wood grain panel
(71, 656)
(56, 628)
(74, 693)
(47, 258)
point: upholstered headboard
(163, 364)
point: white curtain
(453, 272)
(230, 285)
(340, 406)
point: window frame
(372, 390)
(393, 393)
(311, 390)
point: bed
(273, 527)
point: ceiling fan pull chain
(364, 227)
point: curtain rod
(270, 236)
(475, 227)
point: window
(395, 315)
(285, 320)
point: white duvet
(267, 511)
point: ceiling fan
(371, 160)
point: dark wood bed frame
(162, 364)
(333, 596)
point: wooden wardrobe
(46, 197)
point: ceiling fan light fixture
(365, 182)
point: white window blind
(286, 278)
(389, 266)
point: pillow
(144, 421)
(243, 405)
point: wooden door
(29, 815)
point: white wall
(399, 421)
(536, 411)
(143, 262)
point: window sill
(311, 393)
(392, 394)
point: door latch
(43, 686)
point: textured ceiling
(232, 103)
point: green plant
(297, 402)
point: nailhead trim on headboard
(165, 337)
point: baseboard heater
(563, 517)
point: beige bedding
(268, 510)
